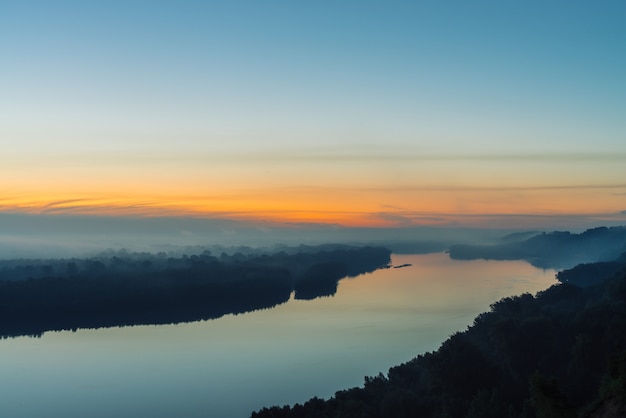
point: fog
(36, 236)
(52, 236)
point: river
(233, 365)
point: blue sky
(112, 92)
(495, 74)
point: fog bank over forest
(35, 236)
(56, 235)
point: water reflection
(238, 363)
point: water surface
(233, 365)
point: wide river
(231, 366)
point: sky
(392, 114)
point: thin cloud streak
(61, 204)
(425, 157)
(454, 188)
(315, 156)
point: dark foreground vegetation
(550, 250)
(124, 288)
(561, 353)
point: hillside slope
(561, 353)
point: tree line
(139, 288)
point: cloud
(60, 204)
(394, 219)
(331, 155)
(377, 155)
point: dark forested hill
(561, 353)
(551, 250)
(133, 289)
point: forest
(560, 353)
(550, 250)
(122, 288)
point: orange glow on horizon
(359, 194)
(351, 208)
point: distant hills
(561, 353)
(550, 250)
